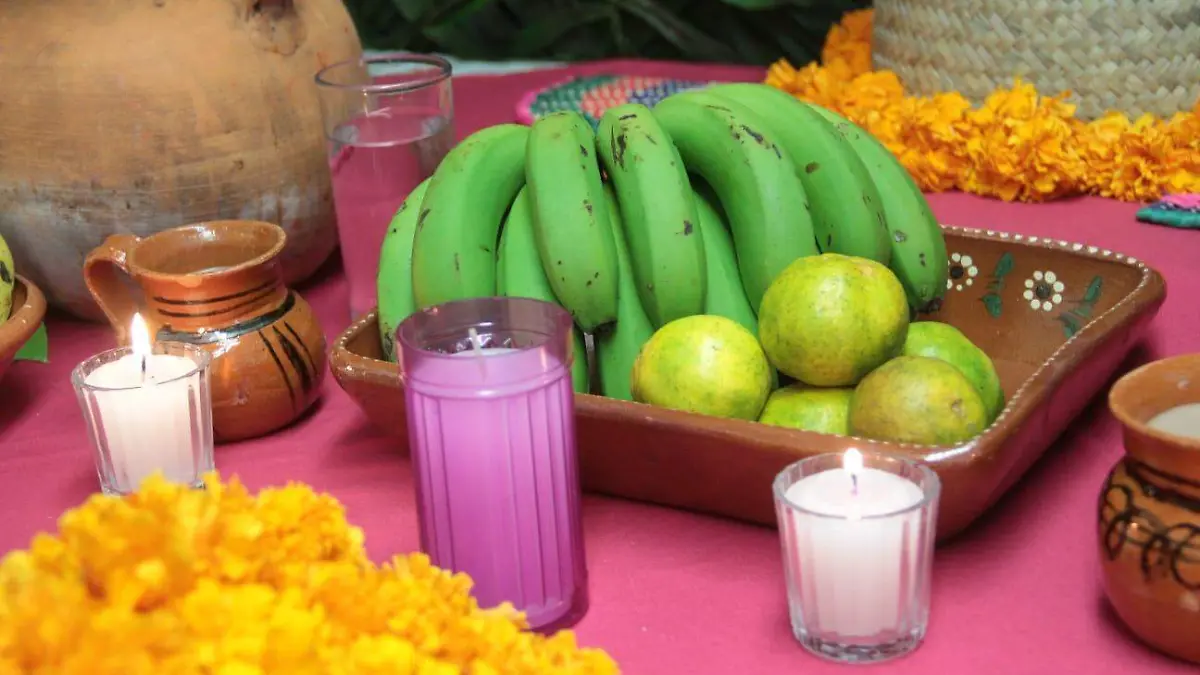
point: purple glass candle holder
(491, 423)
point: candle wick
(143, 369)
(477, 349)
(854, 484)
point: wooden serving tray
(1092, 306)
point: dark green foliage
(732, 31)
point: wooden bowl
(28, 310)
(1149, 517)
(1092, 306)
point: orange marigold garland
(1017, 145)
(173, 581)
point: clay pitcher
(219, 285)
(1149, 516)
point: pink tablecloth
(674, 592)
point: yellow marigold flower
(171, 581)
(1016, 145)
(849, 43)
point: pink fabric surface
(674, 592)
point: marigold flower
(173, 581)
(1016, 145)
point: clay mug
(1150, 510)
(219, 285)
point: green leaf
(1070, 324)
(550, 28)
(1003, 266)
(679, 32)
(413, 10)
(756, 5)
(36, 348)
(1092, 294)
(736, 31)
(993, 303)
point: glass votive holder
(491, 423)
(142, 422)
(857, 532)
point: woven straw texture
(1133, 56)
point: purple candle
(492, 436)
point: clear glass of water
(857, 531)
(389, 121)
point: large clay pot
(137, 116)
(1150, 511)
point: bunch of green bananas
(693, 207)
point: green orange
(943, 341)
(703, 364)
(798, 406)
(828, 320)
(917, 399)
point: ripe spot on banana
(619, 143)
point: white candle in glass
(855, 568)
(1182, 420)
(146, 415)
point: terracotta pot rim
(445, 71)
(266, 256)
(24, 318)
(1123, 389)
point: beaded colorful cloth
(592, 95)
(1182, 210)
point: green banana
(454, 248)
(657, 210)
(394, 282)
(519, 274)
(573, 233)
(755, 181)
(847, 211)
(617, 346)
(918, 243)
(725, 296)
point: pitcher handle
(102, 270)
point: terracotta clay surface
(141, 116)
(28, 309)
(1149, 511)
(219, 285)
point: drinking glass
(156, 420)
(491, 424)
(389, 121)
(857, 551)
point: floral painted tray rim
(724, 467)
(1150, 288)
(1150, 285)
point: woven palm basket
(1132, 56)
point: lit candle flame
(852, 464)
(139, 340)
